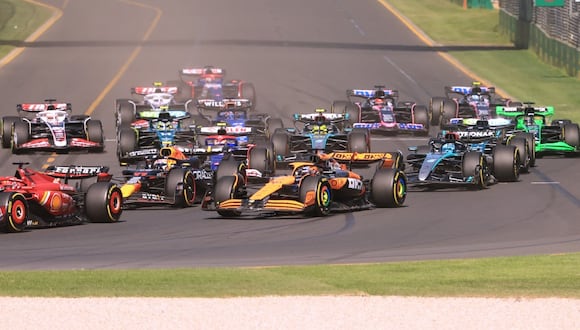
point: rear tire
(272, 124)
(347, 108)
(7, 130)
(435, 109)
(421, 115)
(571, 134)
(127, 142)
(262, 160)
(247, 91)
(522, 145)
(16, 212)
(104, 202)
(180, 186)
(358, 141)
(125, 113)
(95, 132)
(506, 163)
(531, 141)
(388, 188)
(20, 135)
(280, 144)
(448, 111)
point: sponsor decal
(410, 126)
(142, 152)
(77, 169)
(476, 134)
(202, 174)
(354, 184)
(152, 197)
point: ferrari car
(32, 198)
(448, 162)
(146, 137)
(318, 132)
(315, 188)
(154, 100)
(50, 126)
(555, 137)
(169, 178)
(474, 101)
(380, 111)
(209, 82)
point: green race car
(558, 137)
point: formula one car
(170, 178)
(209, 83)
(474, 101)
(155, 100)
(318, 132)
(315, 188)
(45, 199)
(146, 137)
(380, 111)
(50, 126)
(559, 137)
(448, 162)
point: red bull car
(50, 126)
(45, 199)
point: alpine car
(474, 101)
(555, 137)
(46, 199)
(154, 100)
(315, 188)
(380, 111)
(50, 126)
(208, 82)
(146, 137)
(448, 162)
(170, 178)
(318, 132)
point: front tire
(322, 195)
(225, 189)
(474, 165)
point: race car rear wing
(370, 93)
(466, 90)
(386, 159)
(229, 130)
(524, 110)
(77, 171)
(200, 71)
(39, 107)
(155, 89)
(211, 104)
(308, 117)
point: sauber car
(315, 188)
(380, 111)
(154, 100)
(551, 137)
(50, 126)
(45, 199)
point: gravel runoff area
(327, 312)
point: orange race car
(315, 188)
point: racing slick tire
(95, 132)
(421, 116)
(226, 188)
(16, 212)
(475, 165)
(262, 160)
(571, 134)
(280, 143)
(272, 124)
(103, 202)
(388, 188)
(531, 141)
(524, 150)
(359, 141)
(125, 113)
(229, 166)
(180, 187)
(7, 130)
(347, 108)
(248, 91)
(448, 111)
(506, 163)
(435, 108)
(126, 141)
(322, 195)
(20, 135)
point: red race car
(45, 199)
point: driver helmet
(164, 164)
(448, 147)
(379, 101)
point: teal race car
(551, 136)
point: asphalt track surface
(300, 55)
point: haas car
(315, 188)
(380, 111)
(555, 137)
(50, 126)
(154, 100)
(209, 82)
(474, 101)
(45, 199)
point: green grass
(18, 20)
(532, 276)
(518, 72)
